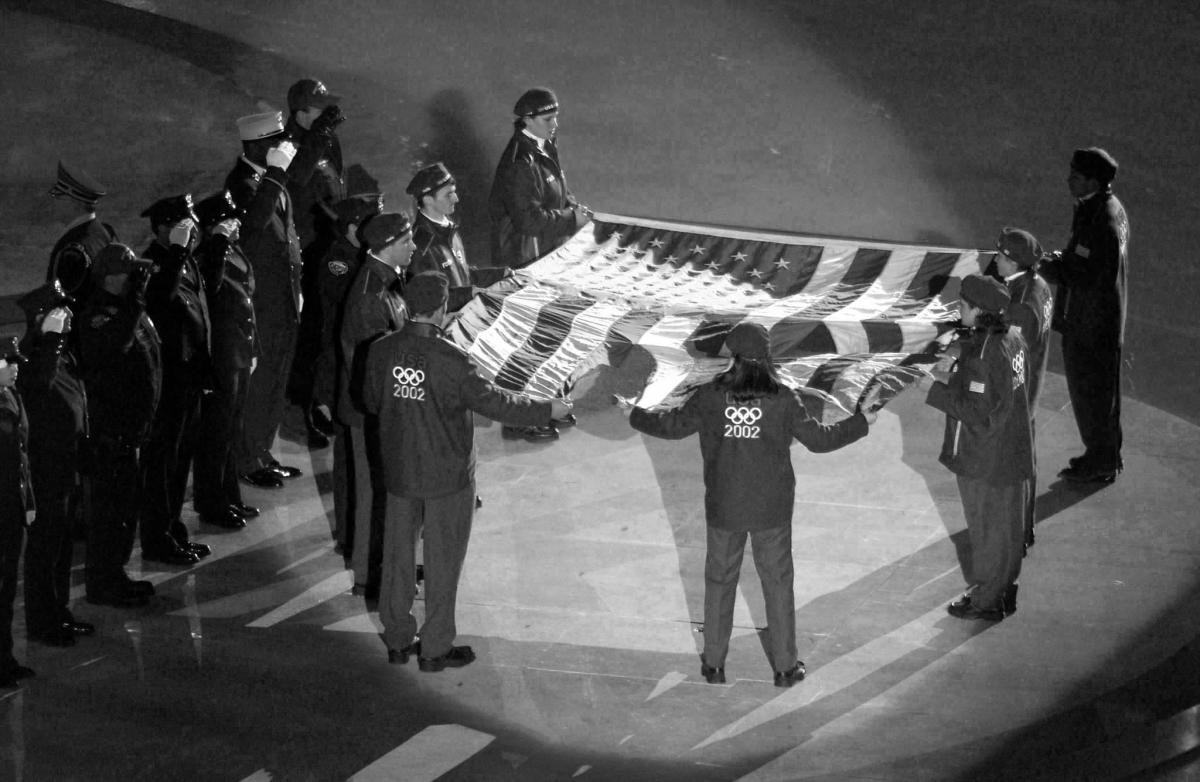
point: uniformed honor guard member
(423, 390)
(531, 208)
(234, 350)
(56, 403)
(374, 306)
(76, 195)
(1089, 312)
(747, 420)
(988, 445)
(122, 371)
(1031, 305)
(258, 183)
(17, 505)
(439, 244)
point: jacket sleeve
(669, 424)
(163, 285)
(258, 203)
(484, 398)
(823, 438)
(972, 395)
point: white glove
(228, 228)
(182, 233)
(56, 321)
(281, 156)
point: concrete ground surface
(582, 590)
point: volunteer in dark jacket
(988, 445)
(16, 502)
(747, 421)
(423, 390)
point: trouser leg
(12, 535)
(447, 532)
(47, 551)
(722, 567)
(398, 587)
(995, 517)
(772, 550)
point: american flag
(842, 314)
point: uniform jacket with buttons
(530, 204)
(749, 483)
(424, 389)
(374, 306)
(230, 304)
(177, 302)
(51, 386)
(335, 274)
(122, 367)
(16, 488)
(988, 435)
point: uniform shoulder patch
(338, 268)
(1082, 252)
(99, 320)
(976, 387)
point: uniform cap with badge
(383, 229)
(76, 184)
(115, 258)
(986, 293)
(310, 94)
(1095, 163)
(1020, 247)
(426, 292)
(535, 102)
(43, 299)
(356, 208)
(255, 127)
(429, 180)
(10, 350)
(212, 209)
(171, 210)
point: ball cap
(253, 127)
(384, 229)
(1095, 163)
(426, 292)
(429, 180)
(749, 340)
(75, 183)
(10, 350)
(535, 101)
(987, 293)
(1020, 247)
(310, 94)
(115, 258)
(171, 210)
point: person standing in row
(423, 390)
(1089, 312)
(121, 357)
(1031, 305)
(56, 403)
(531, 208)
(76, 195)
(17, 506)
(988, 445)
(747, 420)
(374, 306)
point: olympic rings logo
(408, 376)
(742, 415)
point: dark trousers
(166, 460)
(266, 396)
(446, 522)
(48, 558)
(12, 535)
(723, 565)
(996, 527)
(216, 484)
(364, 503)
(1093, 371)
(115, 498)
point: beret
(1094, 163)
(986, 293)
(429, 180)
(749, 340)
(383, 229)
(538, 100)
(425, 292)
(1020, 247)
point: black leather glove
(327, 122)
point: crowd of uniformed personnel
(147, 368)
(150, 366)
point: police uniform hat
(78, 185)
(44, 298)
(426, 292)
(749, 340)
(538, 100)
(215, 208)
(115, 258)
(254, 127)
(10, 350)
(171, 210)
(310, 94)
(986, 293)
(383, 229)
(1019, 247)
(356, 208)
(1095, 163)
(429, 180)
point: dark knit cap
(384, 229)
(426, 292)
(429, 180)
(1095, 163)
(986, 293)
(749, 340)
(1020, 247)
(538, 100)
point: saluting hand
(57, 321)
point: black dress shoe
(401, 656)
(263, 478)
(478, 502)
(244, 510)
(711, 675)
(225, 519)
(457, 657)
(201, 550)
(169, 555)
(565, 422)
(319, 419)
(958, 610)
(285, 470)
(141, 588)
(792, 675)
(530, 434)
(80, 628)
(1010, 599)
(54, 636)
(365, 591)
(117, 598)
(1088, 475)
